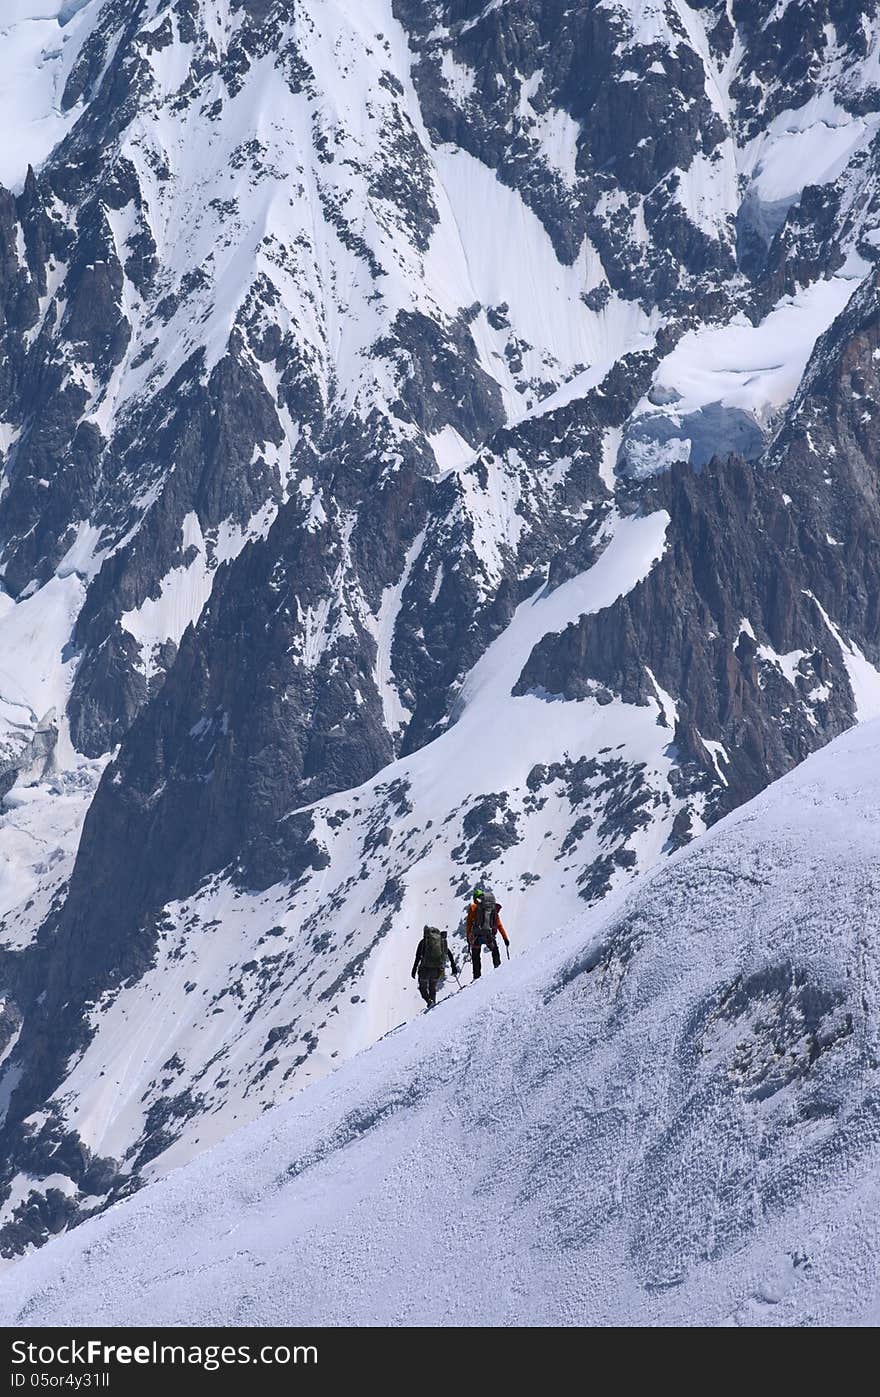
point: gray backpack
(487, 917)
(433, 948)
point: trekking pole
(507, 949)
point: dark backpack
(487, 917)
(433, 949)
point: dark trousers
(428, 982)
(491, 945)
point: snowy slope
(355, 359)
(251, 961)
(666, 1115)
(40, 39)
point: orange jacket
(471, 920)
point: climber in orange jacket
(483, 924)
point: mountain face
(667, 1115)
(436, 439)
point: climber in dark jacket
(432, 953)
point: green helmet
(478, 893)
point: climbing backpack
(433, 949)
(487, 917)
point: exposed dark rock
(259, 459)
(748, 550)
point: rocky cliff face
(730, 621)
(435, 439)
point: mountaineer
(483, 924)
(430, 963)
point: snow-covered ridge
(664, 1115)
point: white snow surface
(812, 145)
(41, 818)
(666, 1114)
(40, 827)
(753, 368)
(39, 40)
(33, 634)
(863, 676)
(396, 713)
